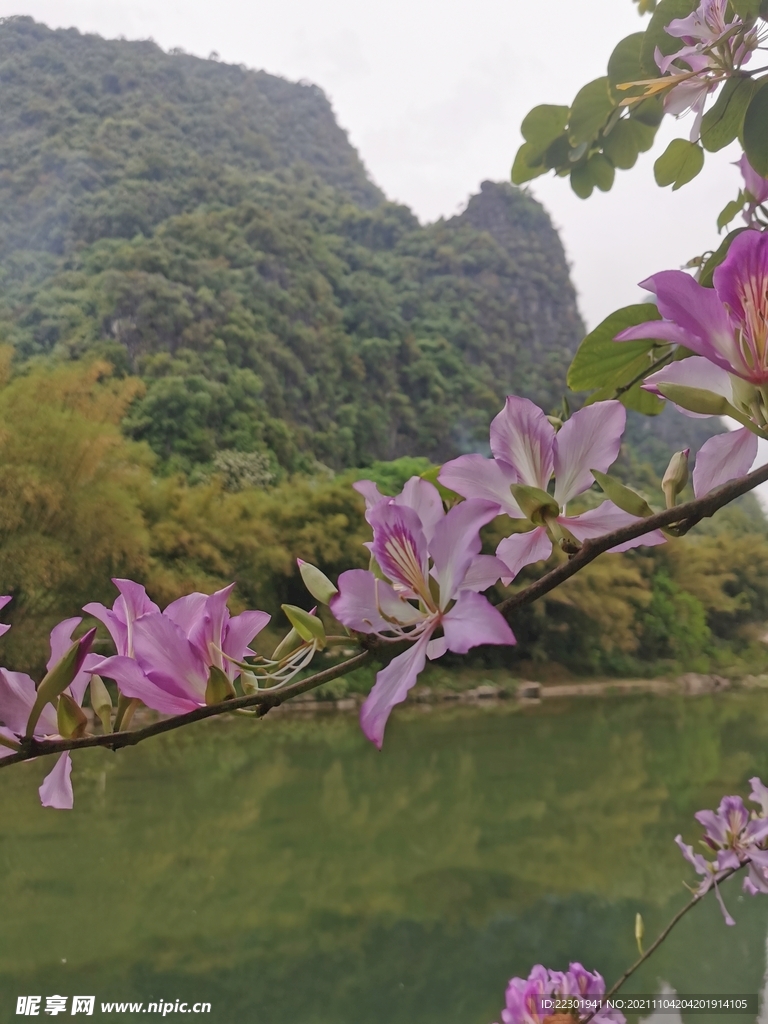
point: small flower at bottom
(547, 997)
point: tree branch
(265, 701)
(686, 516)
(665, 934)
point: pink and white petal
(391, 688)
(399, 545)
(4, 627)
(135, 601)
(701, 314)
(370, 491)
(456, 543)
(424, 498)
(437, 648)
(590, 439)
(722, 458)
(606, 518)
(523, 437)
(361, 600)
(187, 611)
(658, 330)
(169, 659)
(207, 632)
(743, 274)
(7, 734)
(241, 629)
(474, 621)
(133, 682)
(17, 695)
(116, 625)
(56, 790)
(485, 571)
(523, 549)
(474, 476)
(694, 372)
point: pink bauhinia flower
(526, 450)
(17, 697)
(532, 1000)
(713, 49)
(165, 658)
(727, 324)
(737, 837)
(4, 627)
(432, 569)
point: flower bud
(316, 582)
(639, 932)
(676, 477)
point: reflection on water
(287, 872)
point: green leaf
(706, 273)
(534, 502)
(623, 496)
(622, 146)
(431, 476)
(316, 582)
(729, 211)
(219, 687)
(581, 181)
(624, 64)
(309, 627)
(656, 34)
(542, 125)
(678, 164)
(558, 154)
(602, 171)
(755, 131)
(528, 164)
(601, 362)
(591, 109)
(650, 112)
(723, 122)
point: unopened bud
(316, 582)
(639, 932)
(555, 421)
(676, 477)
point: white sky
(432, 93)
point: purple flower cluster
(534, 999)
(737, 837)
(164, 659)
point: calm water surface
(287, 872)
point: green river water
(286, 871)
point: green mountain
(211, 229)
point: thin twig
(686, 515)
(264, 701)
(658, 365)
(664, 935)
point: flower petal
(424, 498)
(370, 492)
(694, 372)
(169, 659)
(606, 518)
(474, 621)
(241, 629)
(700, 313)
(456, 542)
(187, 611)
(722, 458)
(523, 549)
(484, 571)
(590, 439)
(17, 695)
(399, 545)
(61, 641)
(391, 688)
(4, 627)
(133, 682)
(474, 476)
(361, 600)
(523, 437)
(56, 790)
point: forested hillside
(212, 230)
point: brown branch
(265, 701)
(685, 516)
(664, 935)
